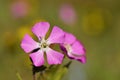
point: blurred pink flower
(37, 49)
(73, 48)
(67, 14)
(19, 9)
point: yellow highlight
(24, 30)
(93, 22)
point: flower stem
(34, 78)
(41, 76)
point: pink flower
(73, 48)
(19, 9)
(38, 49)
(67, 14)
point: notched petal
(56, 36)
(37, 58)
(54, 57)
(40, 29)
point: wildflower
(38, 49)
(73, 48)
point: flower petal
(63, 48)
(56, 36)
(77, 52)
(69, 38)
(28, 44)
(77, 48)
(54, 57)
(37, 58)
(82, 59)
(40, 29)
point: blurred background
(96, 23)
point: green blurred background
(96, 23)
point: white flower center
(43, 44)
(68, 48)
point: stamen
(44, 45)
